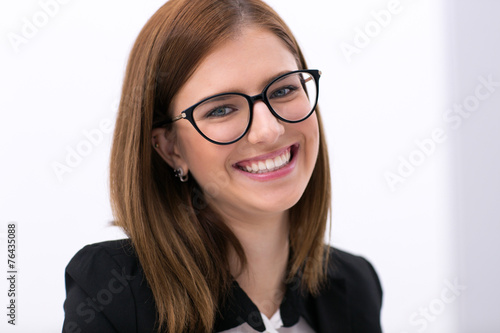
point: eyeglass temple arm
(182, 115)
(169, 121)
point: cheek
(205, 160)
(192, 147)
(315, 126)
(196, 154)
(311, 132)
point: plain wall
(475, 48)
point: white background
(438, 227)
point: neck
(266, 248)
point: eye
(282, 92)
(220, 111)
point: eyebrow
(223, 97)
(265, 83)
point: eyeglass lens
(225, 118)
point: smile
(267, 163)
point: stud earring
(179, 173)
(156, 145)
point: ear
(165, 144)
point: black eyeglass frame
(188, 113)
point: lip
(266, 156)
(272, 174)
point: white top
(273, 325)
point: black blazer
(106, 291)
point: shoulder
(361, 279)
(101, 269)
(104, 284)
(351, 300)
(358, 270)
(99, 257)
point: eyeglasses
(225, 118)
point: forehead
(245, 63)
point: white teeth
(278, 162)
(268, 165)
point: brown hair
(181, 243)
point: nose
(265, 127)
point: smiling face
(264, 173)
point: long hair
(181, 243)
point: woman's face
(244, 64)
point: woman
(220, 178)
